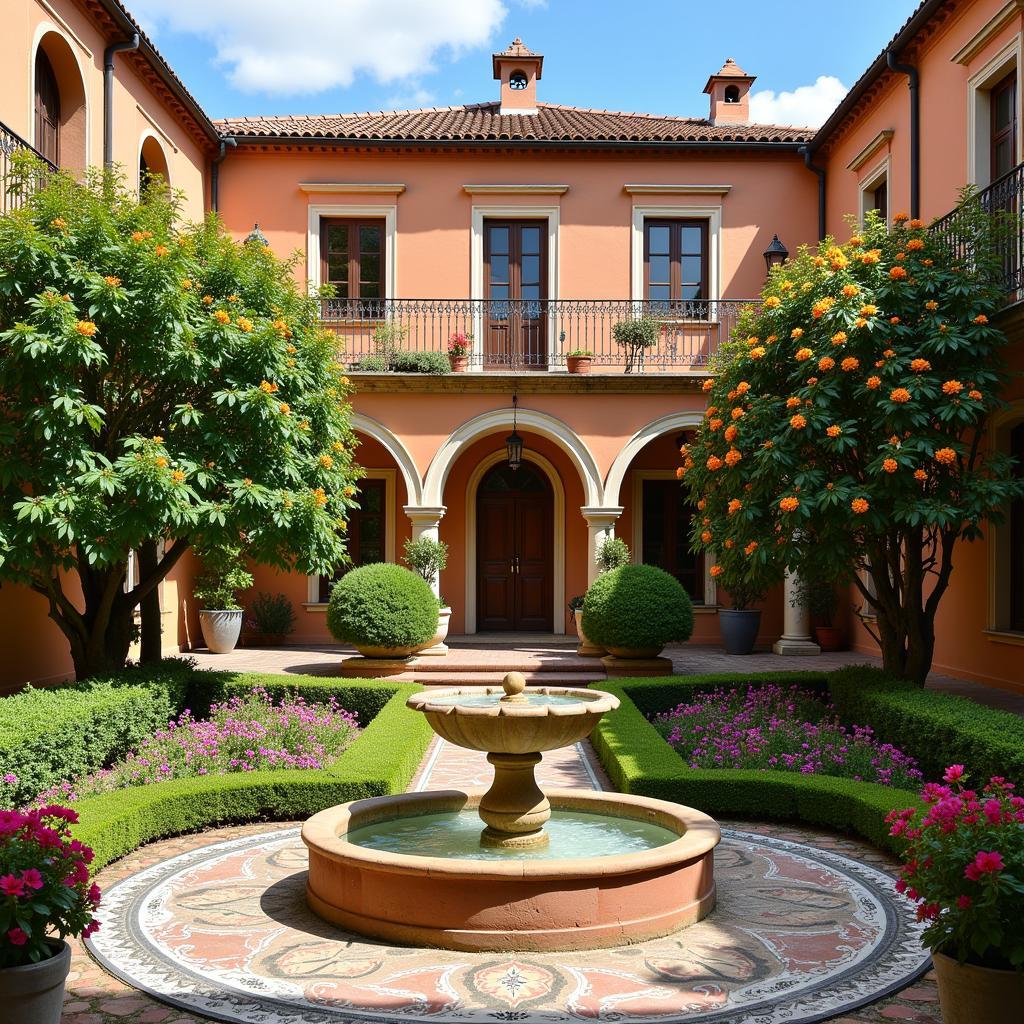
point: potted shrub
(739, 624)
(636, 336)
(612, 553)
(271, 619)
(220, 614)
(964, 867)
(429, 558)
(45, 895)
(579, 360)
(459, 346)
(634, 610)
(818, 596)
(383, 610)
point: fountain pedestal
(514, 809)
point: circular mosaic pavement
(799, 935)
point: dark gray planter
(34, 993)
(739, 629)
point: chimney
(518, 69)
(730, 94)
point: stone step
(526, 665)
(456, 679)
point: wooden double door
(514, 550)
(515, 289)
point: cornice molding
(355, 188)
(516, 190)
(528, 382)
(987, 32)
(881, 139)
(677, 190)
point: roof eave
(316, 140)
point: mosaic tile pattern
(799, 935)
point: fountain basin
(508, 903)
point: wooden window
(352, 254)
(675, 260)
(1016, 526)
(1003, 138)
(667, 518)
(47, 109)
(879, 199)
(367, 532)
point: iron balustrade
(1003, 196)
(17, 187)
(523, 335)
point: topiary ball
(382, 605)
(637, 606)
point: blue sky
(314, 56)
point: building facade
(526, 231)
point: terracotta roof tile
(730, 69)
(483, 122)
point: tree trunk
(149, 607)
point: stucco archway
(686, 420)
(72, 128)
(497, 420)
(152, 160)
(363, 424)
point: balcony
(18, 185)
(514, 336)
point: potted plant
(612, 553)
(579, 360)
(383, 610)
(459, 346)
(429, 558)
(220, 614)
(964, 867)
(271, 619)
(636, 336)
(818, 596)
(634, 610)
(45, 895)
(739, 624)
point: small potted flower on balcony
(964, 867)
(220, 614)
(459, 346)
(636, 336)
(428, 558)
(579, 360)
(270, 619)
(45, 895)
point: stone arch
(152, 159)
(363, 424)
(73, 121)
(554, 429)
(685, 420)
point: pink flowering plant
(771, 728)
(459, 344)
(244, 734)
(964, 868)
(44, 884)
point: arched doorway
(514, 556)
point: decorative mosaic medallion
(799, 935)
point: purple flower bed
(245, 734)
(771, 728)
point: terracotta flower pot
(459, 364)
(970, 994)
(34, 993)
(221, 628)
(389, 652)
(579, 364)
(437, 646)
(635, 652)
(830, 638)
(587, 648)
(739, 628)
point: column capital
(425, 515)
(601, 515)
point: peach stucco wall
(137, 111)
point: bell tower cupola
(518, 69)
(730, 94)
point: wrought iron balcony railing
(17, 187)
(1004, 196)
(522, 335)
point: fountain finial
(514, 684)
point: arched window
(732, 94)
(47, 109)
(518, 81)
(152, 163)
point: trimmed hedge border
(639, 761)
(381, 761)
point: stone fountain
(570, 869)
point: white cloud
(307, 46)
(411, 100)
(806, 106)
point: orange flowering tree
(160, 386)
(845, 428)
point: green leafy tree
(162, 386)
(846, 424)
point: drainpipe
(225, 141)
(913, 82)
(108, 95)
(820, 172)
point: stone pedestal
(796, 631)
(426, 522)
(622, 667)
(358, 667)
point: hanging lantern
(514, 443)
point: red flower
(11, 886)
(964, 902)
(986, 862)
(953, 773)
(16, 937)
(32, 879)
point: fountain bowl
(511, 904)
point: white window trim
(712, 214)
(637, 546)
(480, 213)
(317, 212)
(389, 476)
(867, 185)
(42, 29)
(979, 110)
